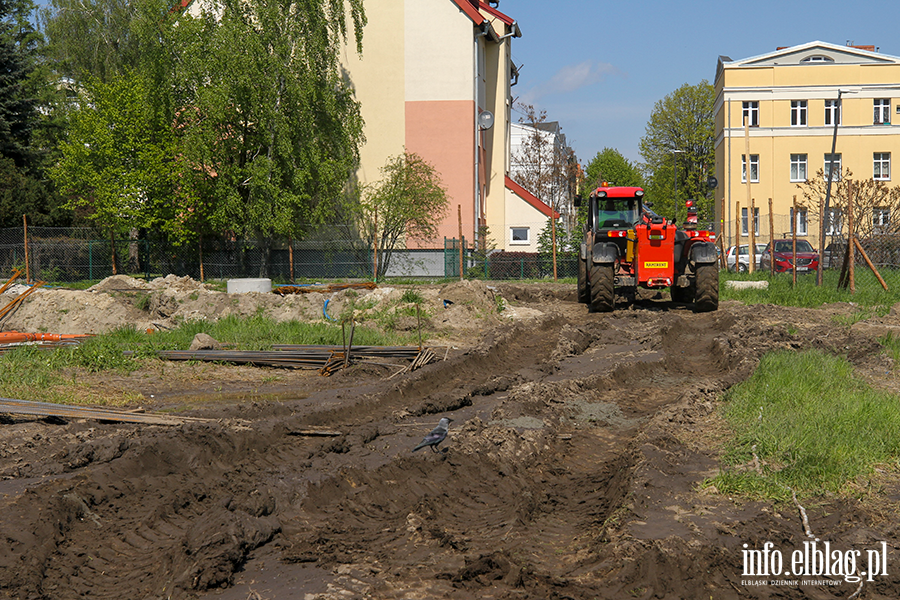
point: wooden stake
(112, 244)
(459, 218)
(375, 256)
(553, 235)
(751, 247)
(201, 258)
(291, 256)
(794, 245)
(737, 236)
(771, 236)
(850, 239)
(869, 263)
(27, 257)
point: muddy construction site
(574, 466)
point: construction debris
(323, 289)
(327, 359)
(48, 409)
(18, 300)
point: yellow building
(791, 98)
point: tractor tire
(603, 293)
(706, 298)
(584, 293)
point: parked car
(743, 259)
(807, 257)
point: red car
(807, 257)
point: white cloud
(569, 79)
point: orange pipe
(13, 337)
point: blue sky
(599, 67)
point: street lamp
(826, 217)
(675, 154)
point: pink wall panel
(443, 132)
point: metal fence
(67, 255)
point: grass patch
(869, 292)
(891, 345)
(30, 373)
(815, 427)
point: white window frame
(826, 171)
(835, 224)
(881, 219)
(801, 223)
(799, 167)
(744, 224)
(798, 113)
(512, 236)
(754, 168)
(881, 166)
(832, 108)
(882, 110)
(750, 113)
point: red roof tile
(470, 9)
(495, 13)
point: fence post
(850, 237)
(772, 237)
(459, 218)
(751, 246)
(793, 246)
(27, 256)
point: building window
(798, 113)
(800, 222)
(744, 224)
(882, 168)
(881, 219)
(519, 235)
(882, 111)
(832, 112)
(836, 159)
(833, 225)
(798, 167)
(751, 113)
(754, 168)
(817, 59)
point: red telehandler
(626, 245)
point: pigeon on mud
(437, 435)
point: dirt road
(573, 469)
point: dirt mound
(573, 468)
(120, 283)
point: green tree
(268, 127)
(23, 186)
(92, 38)
(567, 245)
(116, 163)
(682, 121)
(408, 202)
(18, 42)
(609, 165)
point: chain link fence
(68, 255)
(875, 257)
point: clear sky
(599, 67)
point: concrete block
(242, 286)
(747, 285)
